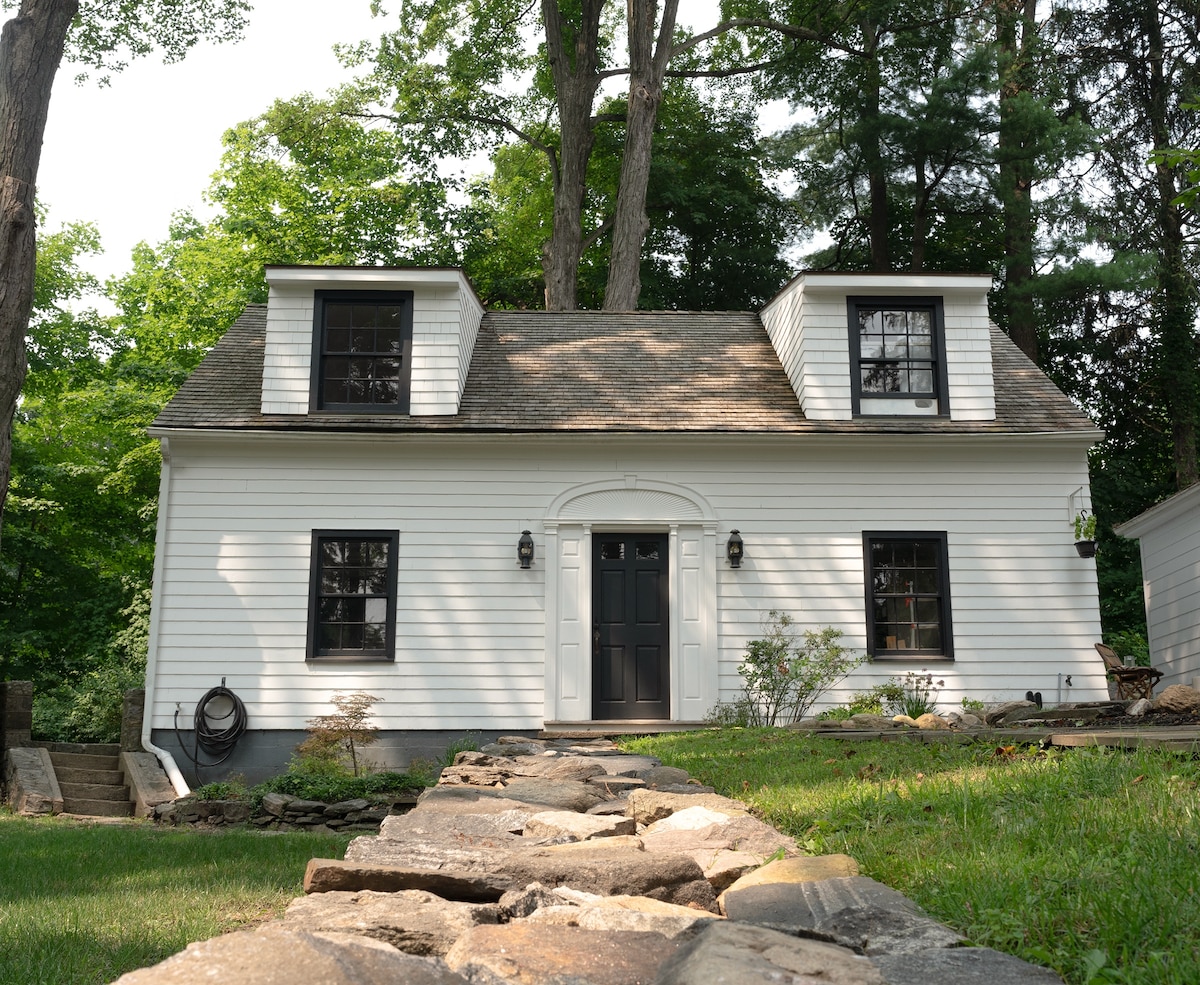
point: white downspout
(160, 540)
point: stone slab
(523, 953)
(648, 806)
(325, 875)
(30, 781)
(734, 954)
(962, 966)
(279, 957)
(411, 921)
(852, 911)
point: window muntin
(908, 596)
(352, 598)
(897, 356)
(362, 351)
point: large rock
(734, 954)
(853, 911)
(577, 827)
(612, 872)
(648, 806)
(962, 966)
(725, 847)
(1008, 711)
(411, 921)
(546, 794)
(1178, 699)
(638, 913)
(283, 957)
(30, 781)
(325, 875)
(543, 954)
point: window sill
(898, 656)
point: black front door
(630, 655)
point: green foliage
(784, 675)
(232, 789)
(973, 705)
(918, 695)
(1085, 525)
(1024, 851)
(729, 714)
(877, 699)
(88, 903)
(332, 788)
(1130, 644)
(334, 740)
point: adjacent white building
(348, 474)
(1169, 538)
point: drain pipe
(160, 538)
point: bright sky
(127, 156)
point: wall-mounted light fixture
(525, 549)
(735, 549)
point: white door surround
(630, 504)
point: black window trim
(358, 656)
(947, 626)
(320, 297)
(934, 303)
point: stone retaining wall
(282, 812)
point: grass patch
(1086, 861)
(83, 904)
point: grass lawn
(1087, 861)
(82, 904)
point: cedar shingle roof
(605, 371)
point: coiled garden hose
(210, 733)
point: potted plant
(1085, 533)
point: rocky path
(560, 862)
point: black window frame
(321, 301)
(940, 393)
(939, 541)
(387, 652)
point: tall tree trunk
(647, 67)
(1014, 28)
(31, 47)
(871, 127)
(1179, 373)
(574, 52)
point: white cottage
(1169, 538)
(348, 475)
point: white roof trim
(1166, 511)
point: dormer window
(897, 359)
(362, 351)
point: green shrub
(333, 789)
(784, 675)
(918, 695)
(334, 740)
(729, 714)
(877, 700)
(232, 789)
(1130, 643)
(838, 714)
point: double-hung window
(908, 596)
(897, 356)
(352, 595)
(362, 351)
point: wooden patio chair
(1132, 682)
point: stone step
(97, 808)
(84, 761)
(111, 778)
(84, 748)
(94, 791)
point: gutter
(169, 765)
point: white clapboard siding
(472, 634)
(1170, 547)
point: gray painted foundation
(262, 754)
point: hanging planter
(1085, 534)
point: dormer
(862, 346)
(369, 341)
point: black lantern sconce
(735, 549)
(525, 549)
